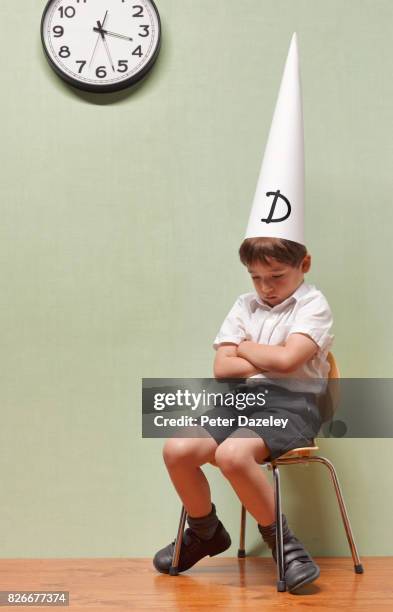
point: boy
(282, 329)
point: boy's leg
(238, 458)
(183, 458)
(206, 535)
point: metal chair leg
(173, 571)
(344, 513)
(241, 553)
(281, 586)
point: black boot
(195, 546)
(299, 567)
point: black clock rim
(111, 87)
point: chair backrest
(328, 402)
(334, 372)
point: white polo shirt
(306, 311)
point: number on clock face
(101, 45)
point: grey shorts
(297, 411)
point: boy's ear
(306, 263)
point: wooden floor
(224, 583)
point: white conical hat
(278, 207)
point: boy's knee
(176, 450)
(230, 460)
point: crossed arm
(250, 358)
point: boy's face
(275, 281)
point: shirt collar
(295, 297)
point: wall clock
(101, 45)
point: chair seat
(303, 451)
(299, 452)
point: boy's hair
(254, 250)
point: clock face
(101, 45)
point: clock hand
(106, 45)
(98, 38)
(101, 29)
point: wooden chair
(297, 455)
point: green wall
(120, 222)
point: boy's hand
(228, 364)
(297, 350)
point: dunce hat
(278, 206)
